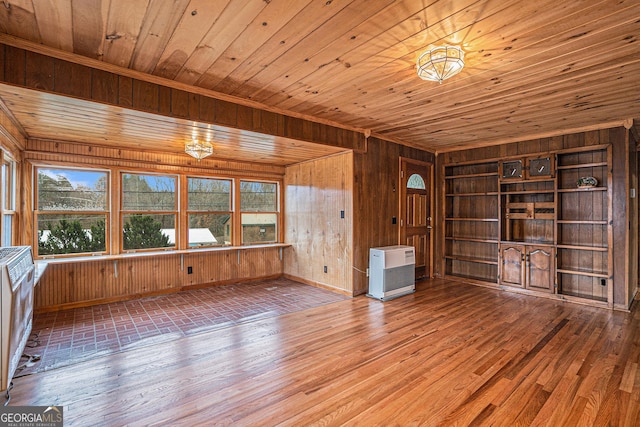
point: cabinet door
(540, 269)
(512, 265)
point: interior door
(415, 212)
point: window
(259, 212)
(415, 181)
(149, 211)
(71, 211)
(209, 212)
(8, 200)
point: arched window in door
(416, 181)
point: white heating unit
(391, 272)
(17, 273)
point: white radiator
(391, 272)
(16, 308)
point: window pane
(148, 192)
(7, 230)
(9, 189)
(259, 228)
(258, 196)
(149, 231)
(71, 190)
(209, 229)
(70, 234)
(416, 181)
(209, 195)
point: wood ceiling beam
(32, 66)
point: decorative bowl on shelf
(587, 182)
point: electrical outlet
(325, 268)
(189, 270)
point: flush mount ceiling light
(440, 63)
(198, 149)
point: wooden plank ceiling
(54, 117)
(533, 68)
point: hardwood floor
(70, 336)
(450, 354)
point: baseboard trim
(318, 285)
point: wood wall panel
(13, 137)
(376, 201)
(634, 238)
(104, 87)
(76, 283)
(621, 225)
(40, 71)
(316, 192)
(55, 151)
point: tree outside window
(71, 211)
(149, 210)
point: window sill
(44, 261)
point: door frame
(402, 195)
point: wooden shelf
(578, 190)
(517, 242)
(524, 217)
(506, 181)
(584, 248)
(582, 222)
(469, 259)
(528, 192)
(491, 193)
(472, 175)
(470, 239)
(473, 219)
(582, 165)
(583, 273)
(577, 297)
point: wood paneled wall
(13, 139)
(319, 221)
(376, 201)
(159, 96)
(72, 283)
(44, 151)
(633, 239)
(623, 217)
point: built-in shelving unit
(527, 223)
(471, 221)
(584, 262)
(540, 223)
